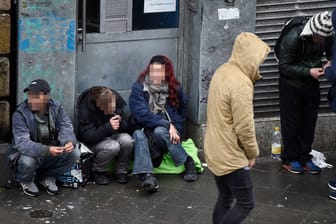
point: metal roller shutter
(270, 16)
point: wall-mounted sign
(157, 6)
(226, 14)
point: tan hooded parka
(230, 139)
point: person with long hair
(158, 107)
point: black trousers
(238, 187)
(298, 115)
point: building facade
(109, 42)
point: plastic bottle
(276, 144)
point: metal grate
(117, 16)
(270, 15)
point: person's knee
(27, 163)
(247, 206)
(126, 141)
(109, 146)
(160, 132)
(139, 136)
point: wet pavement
(280, 198)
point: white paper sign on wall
(228, 13)
(157, 6)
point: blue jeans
(237, 185)
(161, 138)
(45, 166)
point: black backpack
(288, 25)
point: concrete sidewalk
(281, 198)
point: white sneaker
(30, 189)
(49, 183)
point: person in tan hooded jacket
(230, 142)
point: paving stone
(280, 198)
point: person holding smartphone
(44, 144)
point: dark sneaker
(101, 178)
(332, 185)
(293, 167)
(311, 168)
(332, 195)
(122, 178)
(190, 173)
(149, 183)
(49, 183)
(30, 189)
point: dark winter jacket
(330, 72)
(93, 124)
(298, 55)
(25, 130)
(138, 102)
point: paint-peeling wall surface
(47, 44)
(214, 27)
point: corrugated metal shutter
(271, 14)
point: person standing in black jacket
(300, 55)
(102, 125)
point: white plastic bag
(319, 159)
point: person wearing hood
(330, 74)
(103, 127)
(300, 65)
(230, 144)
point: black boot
(190, 170)
(149, 182)
(101, 178)
(122, 178)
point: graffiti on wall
(52, 34)
(47, 43)
(38, 70)
(206, 76)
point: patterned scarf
(157, 96)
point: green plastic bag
(168, 166)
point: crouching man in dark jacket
(103, 126)
(44, 144)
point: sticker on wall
(157, 6)
(228, 13)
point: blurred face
(318, 39)
(38, 101)
(106, 103)
(157, 74)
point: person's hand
(115, 122)
(174, 136)
(326, 65)
(316, 72)
(251, 163)
(56, 150)
(68, 147)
